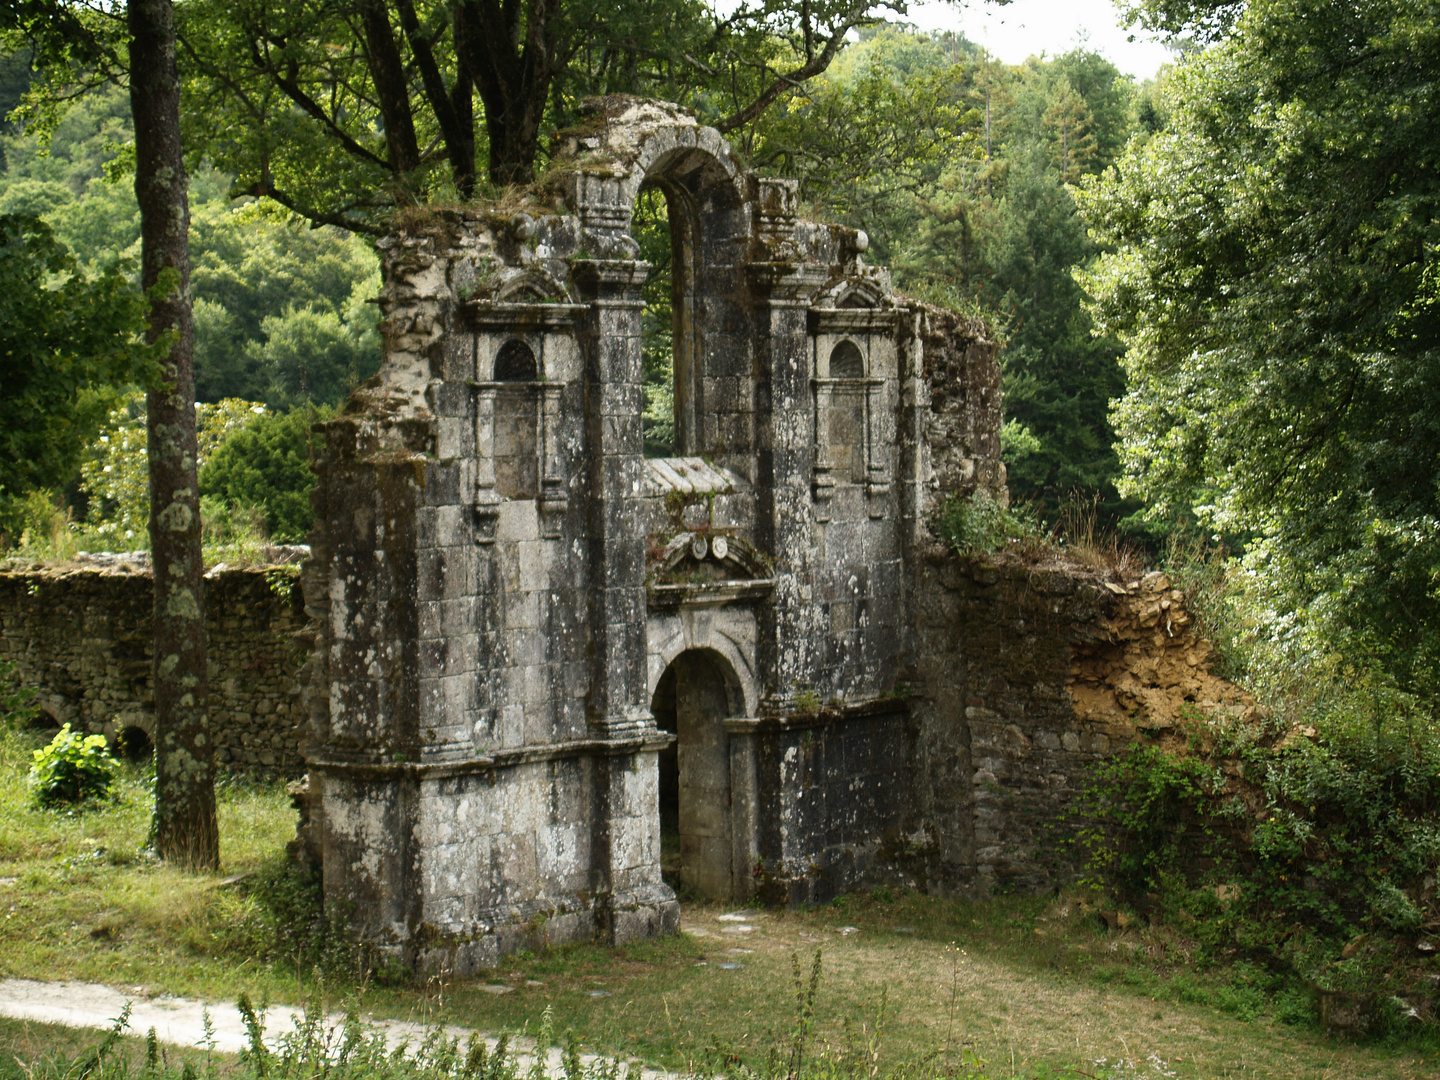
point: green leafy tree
(252, 262)
(342, 111)
(1274, 278)
(67, 338)
(282, 312)
(267, 465)
(115, 473)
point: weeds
(73, 770)
(1093, 545)
(979, 523)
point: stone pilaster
(618, 704)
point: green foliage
(280, 312)
(1152, 821)
(978, 523)
(1272, 274)
(651, 228)
(115, 473)
(313, 123)
(17, 701)
(72, 770)
(66, 338)
(267, 465)
(1285, 851)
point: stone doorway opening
(692, 700)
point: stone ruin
(536, 653)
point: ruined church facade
(551, 680)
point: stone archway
(694, 697)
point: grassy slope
(1020, 983)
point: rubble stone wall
(81, 636)
(1027, 675)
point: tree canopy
(67, 339)
(1273, 274)
(343, 111)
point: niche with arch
(847, 435)
(516, 451)
(524, 357)
(855, 371)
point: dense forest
(1217, 293)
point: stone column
(744, 804)
(782, 292)
(627, 836)
(614, 403)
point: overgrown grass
(84, 899)
(1030, 988)
(978, 524)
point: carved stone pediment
(707, 568)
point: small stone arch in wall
(728, 632)
(517, 465)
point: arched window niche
(847, 412)
(516, 445)
(847, 361)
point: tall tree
(186, 830)
(76, 43)
(1274, 277)
(342, 110)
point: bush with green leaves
(980, 523)
(73, 770)
(266, 466)
(1313, 852)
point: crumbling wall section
(1028, 674)
(80, 634)
(960, 375)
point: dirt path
(182, 1021)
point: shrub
(73, 770)
(980, 523)
(266, 465)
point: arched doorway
(693, 698)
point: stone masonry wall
(81, 636)
(1028, 674)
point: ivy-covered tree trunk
(186, 831)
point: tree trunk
(185, 825)
(387, 71)
(513, 73)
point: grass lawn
(1024, 985)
